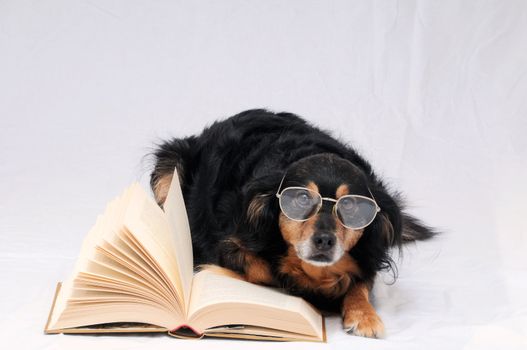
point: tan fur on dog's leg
(257, 270)
(237, 257)
(358, 316)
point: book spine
(185, 331)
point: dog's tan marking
(312, 186)
(296, 231)
(347, 236)
(358, 316)
(342, 190)
(332, 281)
(256, 270)
(256, 206)
(161, 188)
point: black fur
(236, 159)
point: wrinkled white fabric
(433, 93)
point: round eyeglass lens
(355, 211)
(299, 203)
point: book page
(125, 271)
(180, 235)
(221, 300)
(258, 333)
(147, 223)
(102, 226)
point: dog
(280, 202)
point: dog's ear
(388, 223)
(413, 229)
(261, 209)
(258, 209)
(386, 229)
(384, 232)
(396, 226)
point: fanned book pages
(134, 273)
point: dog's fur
(229, 176)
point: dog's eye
(303, 199)
(347, 204)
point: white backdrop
(433, 93)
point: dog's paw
(364, 323)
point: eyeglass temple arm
(280, 186)
(376, 204)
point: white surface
(433, 93)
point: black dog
(283, 203)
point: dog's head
(324, 235)
(322, 239)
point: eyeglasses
(353, 211)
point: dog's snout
(324, 241)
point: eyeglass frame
(278, 195)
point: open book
(135, 274)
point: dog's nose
(323, 241)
